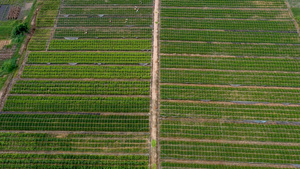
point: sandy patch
(4, 43)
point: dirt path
(228, 163)
(154, 162)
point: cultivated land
(168, 84)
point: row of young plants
(108, 21)
(228, 94)
(76, 104)
(229, 36)
(101, 45)
(231, 63)
(82, 87)
(90, 72)
(68, 161)
(40, 39)
(251, 153)
(48, 142)
(110, 2)
(226, 4)
(132, 58)
(47, 14)
(79, 122)
(231, 49)
(129, 11)
(224, 13)
(276, 79)
(247, 130)
(229, 111)
(248, 25)
(104, 33)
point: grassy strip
(228, 4)
(256, 64)
(76, 104)
(110, 123)
(104, 33)
(230, 49)
(91, 72)
(228, 78)
(220, 36)
(100, 45)
(228, 94)
(117, 21)
(224, 13)
(28, 161)
(83, 87)
(82, 143)
(229, 111)
(228, 24)
(89, 57)
(230, 152)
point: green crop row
(224, 13)
(226, 63)
(228, 24)
(91, 72)
(104, 33)
(59, 122)
(229, 111)
(105, 2)
(228, 94)
(106, 11)
(229, 36)
(254, 130)
(109, 21)
(224, 4)
(100, 45)
(49, 142)
(231, 49)
(47, 13)
(170, 165)
(47, 161)
(76, 104)
(82, 87)
(230, 152)
(229, 78)
(90, 57)
(39, 41)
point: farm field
(159, 84)
(229, 93)
(83, 93)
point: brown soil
(4, 43)
(14, 12)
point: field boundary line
(74, 132)
(108, 6)
(84, 79)
(210, 8)
(228, 163)
(228, 30)
(231, 86)
(80, 113)
(69, 152)
(101, 27)
(154, 107)
(230, 19)
(292, 16)
(229, 103)
(84, 64)
(78, 95)
(234, 43)
(53, 28)
(220, 70)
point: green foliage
(20, 29)
(9, 65)
(153, 143)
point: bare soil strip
(225, 56)
(250, 9)
(63, 95)
(241, 71)
(229, 19)
(230, 141)
(74, 132)
(92, 80)
(229, 103)
(228, 163)
(231, 86)
(79, 113)
(292, 16)
(234, 43)
(154, 107)
(68, 152)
